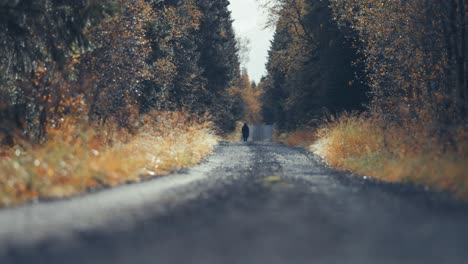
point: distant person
(245, 132)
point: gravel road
(247, 203)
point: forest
(374, 86)
(99, 93)
(119, 59)
(84, 85)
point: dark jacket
(245, 131)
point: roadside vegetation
(79, 157)
(100, 93)
(367, 146)
(396, 153)
(400, 68)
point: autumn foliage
(251, 95)
(113, 61)
(97, 93)
(412, 56)
(416, 64)
(394, 153)
(415, 54)
(79, 157)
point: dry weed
(394, 153)
(77, 157)
(302, 138)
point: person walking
(245, 132)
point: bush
(398, 152)
(77, 156)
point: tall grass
(397, 153)
(300, 138)
(77, 156)
(235, 135)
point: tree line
(114, 60)
(312, 68)
(405, 60)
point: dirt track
(248, 203)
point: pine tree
(219, 61)
(173, 37)
(310, 68)
(37, 39)
(274, 99)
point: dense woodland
(406, 61)
(114, 60)
(98, 93)
(312, 67)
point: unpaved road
(247, 203)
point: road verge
(389, 153)
(78, 157)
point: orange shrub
(403, 153)
(303, 137)
(78, 156)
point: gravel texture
(247, 203)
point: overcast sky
(249, 21)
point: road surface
(247, 203)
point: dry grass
(299, 138)
(77, 157)
(396, 154)
(236, 135)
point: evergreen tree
(220, 62)
(274, 99)
(37, 38)
(310, 68)
(115, 59)
(173, 37)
